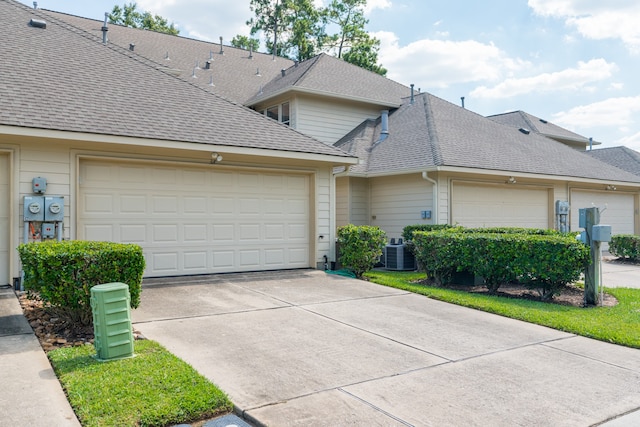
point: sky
(575, 63)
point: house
(139, 154)
(523, 120)
(433, 162)
(216, 159)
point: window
(279, 112)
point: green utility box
(113, 337)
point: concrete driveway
(306, 348)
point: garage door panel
(498, 206)
(254, 221)
(617, 209)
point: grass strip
(619, 324)
(154, 388)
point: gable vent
(525, 131)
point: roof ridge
(315, 60)
(436, 151)
(525, 117)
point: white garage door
(195, 220)
(499, 206)
(4, 219)
(619, 212)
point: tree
(352, 42)
(129, 16)
(244, 42)
(292, 28)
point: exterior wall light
(215, 158)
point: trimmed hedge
(360, 247)
(62, 273)
(407, 232)
(542, 262)
(625, 246)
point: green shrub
(543, 262)
(407, 232)
(62, 273)
(360, 247)
(511, 230)
(625, 246)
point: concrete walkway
(307, 348)
(30, 394)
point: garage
(4, 219)
(198, 219)
(617, 209)
(475, 205)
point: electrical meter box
(54, 208)
(113, 336)
(39, 185)
(562, 207)
(582, 218)
(601, 233)
(33, 208)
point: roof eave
(327, 94)
(180, 145)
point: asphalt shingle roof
(433, 132)
(64, 78)
(327, 75)
(621, 157)
(521, 119)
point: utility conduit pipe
(434, 206)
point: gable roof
(621, 157)
(432, 133)
(521, 119)
(237, 74)
(63, 78)
(248, 77)
(330, 76)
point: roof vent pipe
(462, 99)
(132, 46)
(283, 72)
(221, 47)
(296, 62)
(251, 52)
(104, 28)
(207, 65)
(384, 124)
(412, 98)
(35, 4)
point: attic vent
(38, 23)
(543, 121)
(207, 65)
(283, 72)
(525, 131)
(132, 46)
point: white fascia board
(178, 145)
(325, 94)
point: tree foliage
(129, 16)
(296, 29)
(244, 42)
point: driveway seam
(588, 357)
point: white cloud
(569, 79)
(596, 19)
(440, 63)
(376, 4)
(632, 141)
(618, 112)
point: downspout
(425, 176)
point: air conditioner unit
(399, 257)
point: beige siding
(359, 209)
(342, 201)
(329, 121)
(396, 201)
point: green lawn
(619, 324)
(154, 388)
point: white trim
(192, 146)
(324, 94)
